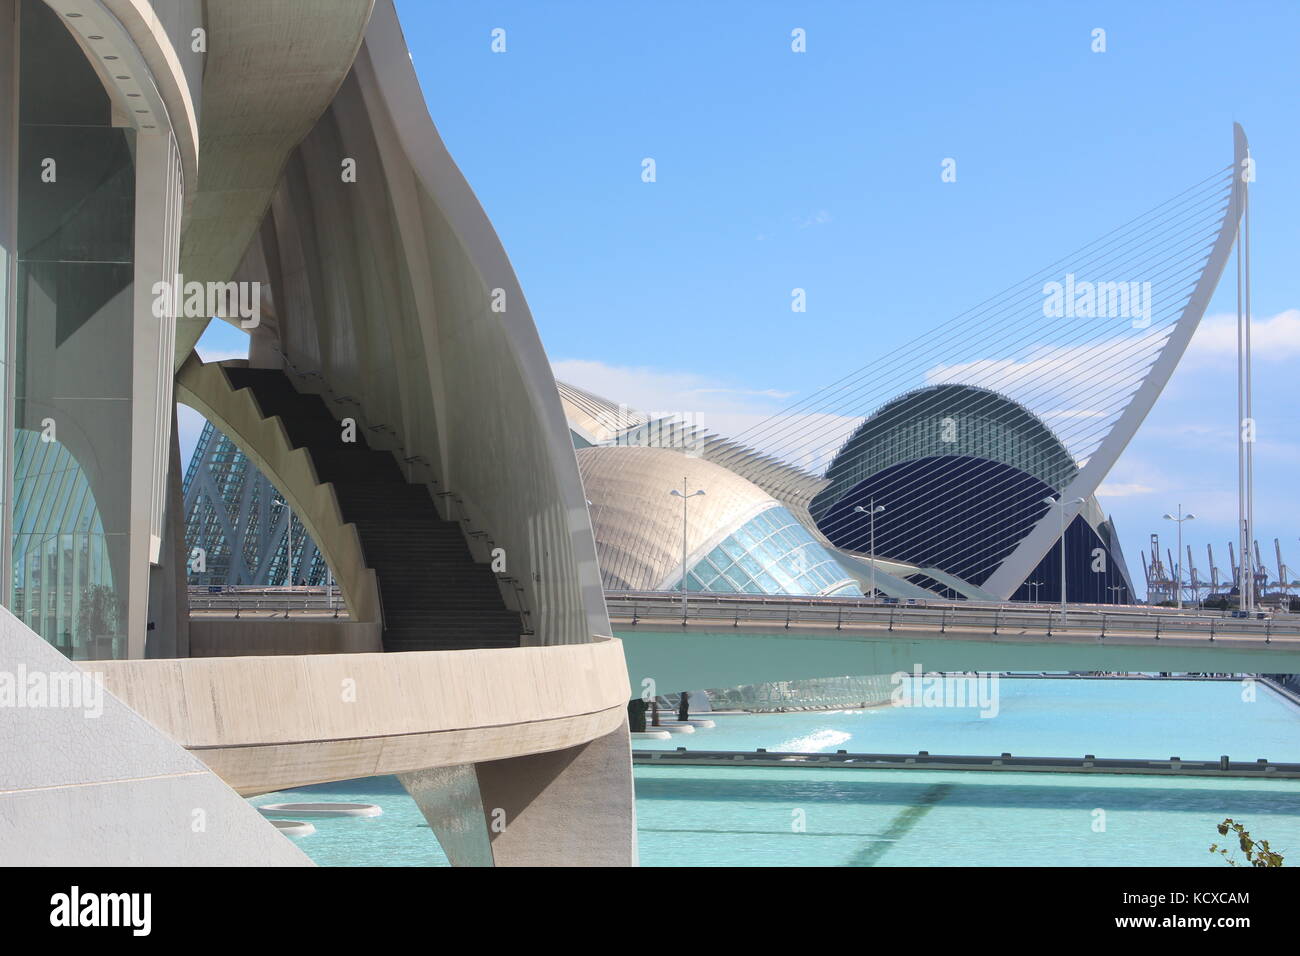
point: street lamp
(288, 558)
(1121, 589)
(1178, 574)
(1049, 500)
(1034, 594)
(873, 509)
(685, 498)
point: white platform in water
(650, 735)
(321, 809)
(673, 728)
(294, 828)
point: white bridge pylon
(1034, 546)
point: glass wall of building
(72, 346)
(240, 525)
(8, 249)
(772, 553)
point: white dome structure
(739, 539)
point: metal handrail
(1005, 618)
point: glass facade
(73, 347)
(61, 559)
(818, 693)
(960, 421)
(234, 513)
(772, 553)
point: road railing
(267, 602)
(1012, 619)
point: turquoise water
(688, 816)
(398, 838)
(1038, 718)
(707, 816)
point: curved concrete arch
(205, 388)
(258, 103)
(151, 38)
(395, 295)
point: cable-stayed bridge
(972, 452)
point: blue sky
(821, 170)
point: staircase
(435, 595)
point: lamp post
(685, 498)
(1062, 502)
(1121, 589)
(872, 509)
(288, 558)
(1178, 574)
(1034, 594)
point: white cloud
(1123, 490)
(1274, 339)
(819, 218)
(807, 440)
(219, 355)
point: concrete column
(449, 799)
(572, 807)
(169, 603)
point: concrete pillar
(450, 801)
(571, 807)
(169, 601)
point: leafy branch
(1256, 853)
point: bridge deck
(965, 620)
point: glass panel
(73, 359)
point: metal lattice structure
(237, 524)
